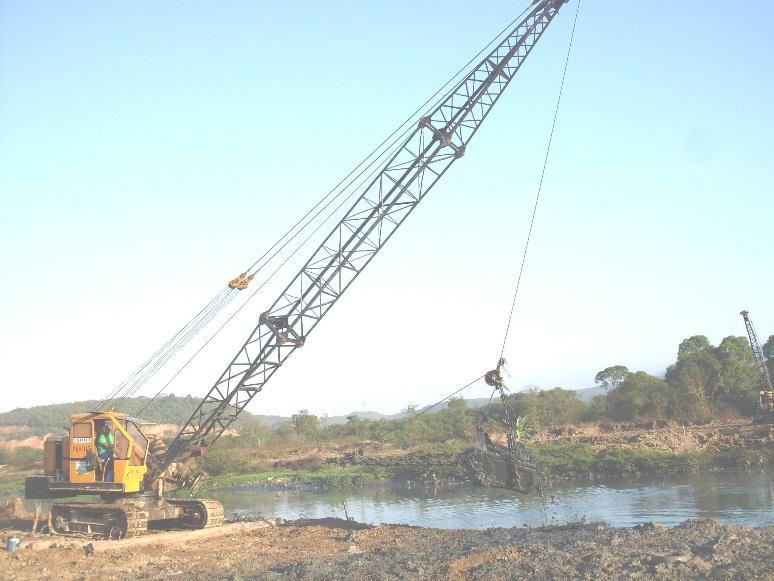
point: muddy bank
(337, 549)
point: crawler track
(113, 521)
(106, 520)
(199, 514)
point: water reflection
(727, 497)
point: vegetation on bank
(704, 382)
(328, 476)
(22, 458)
(11, 483)
(559, 461)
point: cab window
(140, 444)
(120, 446)
(82, 433)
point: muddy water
(739, 498)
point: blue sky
(149, 151)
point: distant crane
(767, 390)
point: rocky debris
(332, 522)
(241, 518)
(331, 549)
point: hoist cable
(252, 294)
(384, 431)
(273, 251)
(540, 184)
(181, 341)
(130, 379)
(451, 395)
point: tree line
(705, 381)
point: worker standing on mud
(105, 452)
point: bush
(23, 458)
(641, 397)
(220, 460)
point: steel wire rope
(384, 431)
(180, 342)
(385, 152)
(440, 401)
(172, 346)
(389, 149)
(540, 183)
(252, 294)
(260, 287)
(408, 120)
(116, 391)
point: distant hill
(588, 393)
(172, 409)
(585, 394)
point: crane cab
(72, 464)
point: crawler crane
(143, 471)
(766, 394)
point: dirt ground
(670, 436)
(337, 549)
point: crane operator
(105, 452)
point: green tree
(768, 355)
(690, 382)
(598, 408)
(256, 433)
(694, 378)
(641, 397)
(738, 378)
(706, 379)
(457, 419)
(550, 407)
(692, 345)
(737, 385)
(305, 425)
(611, 377)
(419, 430)
(357, 427)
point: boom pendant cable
(539, 189)
(142, 375)
(312, 214)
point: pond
(742, 498)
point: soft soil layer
(338, 549)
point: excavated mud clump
(496, 466)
